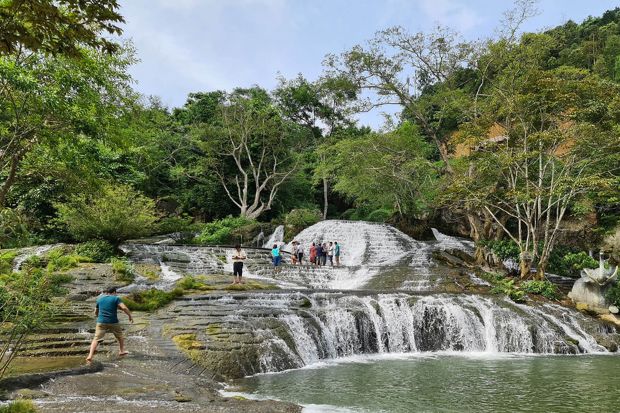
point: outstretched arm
(125, 310)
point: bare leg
(121, 345)
(93, 349)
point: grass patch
(545, 288)
(188, 342)
(250, 285)
(148, 271)
(59, 260)
(195, 283)
(19, 406)
(122, 269)
(151, 300)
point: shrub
(220, 231)
(19, 406)
(504, 249)
(96, 250)
(302, 217)
(379, 215)
(116, 213)
(571, 264)
(122, 269)
(151, 300)
(545, 288)
(613, 294)
(169, 225)
(14, 229)
(60, 260)
(507, 286)
(6, 261)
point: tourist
(313, 254)
(330, 253)
(337, 253)
(294, 253)
(319, 253)
(300, 253)
(238, 257)
(276, 257)
(106, 310)
(324, 249)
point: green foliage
(95, 250)
(504, 249)
(380, 215)
(24, 306)
(302, 218)
(613, 294)
(6, 261)
(169, 225)
(507, 286)
(123, 270)
(545, 288)
(61, 259)
(221, 231)
(19, 406)
(116, 213)
(14, 229)
(151, 300)
(59, 27)
(571, 264)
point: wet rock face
(249, 333)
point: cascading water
(26, 253)
(276, 237)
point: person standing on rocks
(319, 253)
(106, 311)
(276, 257)
(330, 253)
(313, 254)
(238, 257)
(337, 253)
(300, 253)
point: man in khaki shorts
(107, 321)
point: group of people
(320, 254)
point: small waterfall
(276, 237)
(448, 242)
(26, 253)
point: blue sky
(200, 45)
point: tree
(47, 100)
(57, 27)
(115, 213)
(528, 178)
(395, 67)
(251, 149)
(384, 170)
(320, 106)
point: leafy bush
(379, 215)
(6, 261)
(116, 213)
(545, 288)
(169, 225)
(122, 269)
(220, 231)
(14, 229)
(504, 249)
(19, 406)
(507, 286)
(151, 300)
(613, 294)
(96, 250)
(60, 260)
(302, 217)
(571, 264)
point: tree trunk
(325, 199)
(524, 266)
(10, 180)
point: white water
(276, 237)
(26, 253)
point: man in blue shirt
(107, 321)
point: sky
(189, 46)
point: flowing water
(448, 383)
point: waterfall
(276, 237)
(301, 329)
(26, 253)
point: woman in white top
(238, 257)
